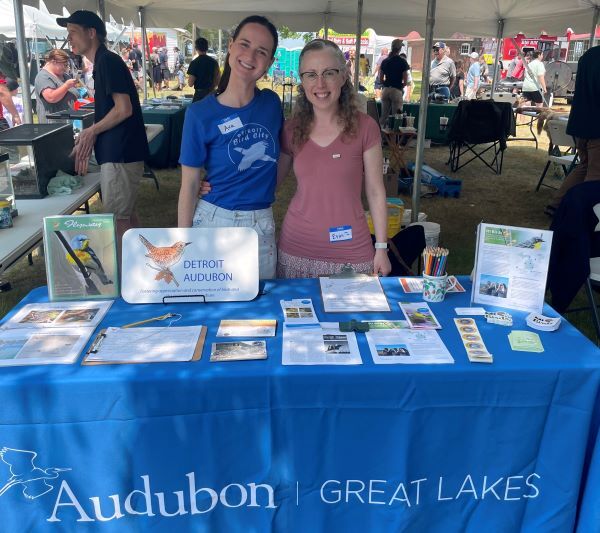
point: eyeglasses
(328, 75)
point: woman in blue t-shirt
(234, 137)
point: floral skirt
(290, 266)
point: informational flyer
(407, 346)
(59, 315)
(353, 294)
(511, 267)
(316, 346)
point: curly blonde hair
(303, 116)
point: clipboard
(97, 343)
(349, 274)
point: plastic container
(395, 211)
(408, 214)
(432, 232)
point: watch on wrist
(381, 245)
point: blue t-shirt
(238, 147)
(473, 74)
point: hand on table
(83, 150)
(381, 263)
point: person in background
(118, 135)
(234, 136)
(410, 84)
(393, 75)
(443, 71)
(135, 56)
(87, 73)
(534, 80)
(331, 145)
(163, 56)
(7, 101)
(178, 69)
(364, 66)
(518, 71)
(458, 89)
(55, 90)
(473, 76)
(156, 71)
(377, 84)
(484, 71)
(203, 72)
(584, 125)
(13, 89)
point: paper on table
(59, 315)
(247, 328)
(410, 285)
(146, 345)
(407, 346)
(525, 341)
(327, 346)
(356, 293)
(419, 315)
(23, 346)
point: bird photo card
(186, 265)
(81, 257)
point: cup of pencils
(435, 278)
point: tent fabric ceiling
(384, 16)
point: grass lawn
(506, 199)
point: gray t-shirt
(442, 71)
(46, 80)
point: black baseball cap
(87, 19)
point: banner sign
(189, 264)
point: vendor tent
(37, 23)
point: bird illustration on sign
(164, 257)
(80, 244)
(23, 472)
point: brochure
(407, 347)
(247, 328)
(353, 294)
(419, 315)
(387, 324)
(299, 312)
(511, 267)
(26, 346)
(410, 285)
(59, 315)
(81, 257)
(316, 346)
(238, 351)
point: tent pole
(142, 12)
(220, 54)
(359, 14)
(498, 55)
(416, 193)
(595, 23)
(326, 26)
(101, 10)
(23, 69)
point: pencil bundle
(434, 261)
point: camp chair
(404, 249)
(479, 127)
(559, 140)
(372, 110)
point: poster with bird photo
(81, 257)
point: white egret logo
(34, 480)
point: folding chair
(372, 110)
(479, 127)
(559, 139)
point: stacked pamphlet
(525, 341)
(419, 315)
(543, 323)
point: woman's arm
(284, 165)
(191, 179)
(461, 86)
(375, 190)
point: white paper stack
(542, 323)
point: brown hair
(347, 104)
(252, 19)
(57, 55)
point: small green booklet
(81, 257)
(525, 341)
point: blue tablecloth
(256, 446)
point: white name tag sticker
(230, 125)
(341, 233)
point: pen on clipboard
(153, 319)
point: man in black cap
(118, 134)
(443, 71)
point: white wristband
(381, 246)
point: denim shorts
(208, 215)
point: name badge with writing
(341, 233)
(230, 125)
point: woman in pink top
(331, 146)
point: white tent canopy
(385, 17)
(37, 23)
